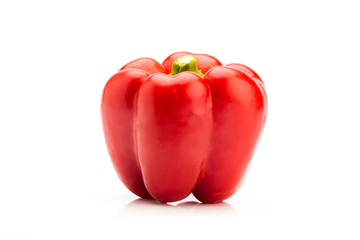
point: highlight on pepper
(187, 126)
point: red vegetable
(170, 135)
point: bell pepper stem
(183, 64)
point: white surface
(56, 179)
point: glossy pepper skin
(172, 135)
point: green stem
(183, 64)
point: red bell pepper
(188, 125)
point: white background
(56, 178)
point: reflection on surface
(148, 207)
